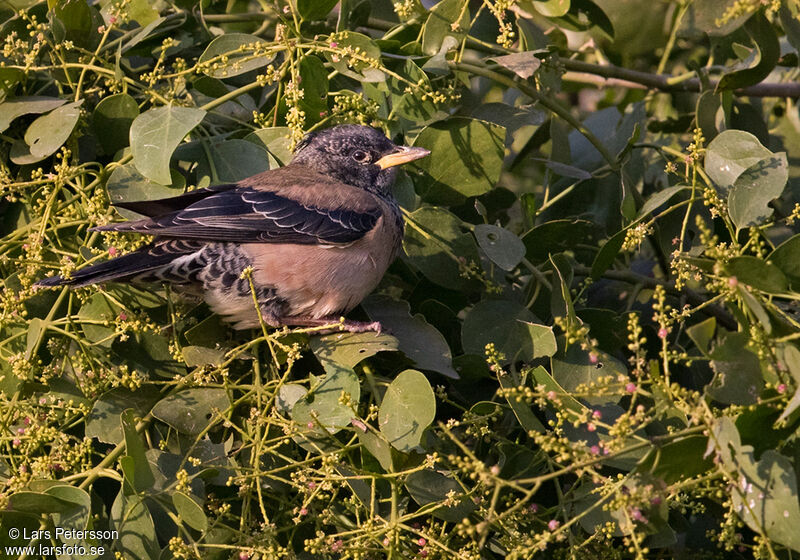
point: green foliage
(590, 337)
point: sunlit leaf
(408, 407)
(193, 410)
(232, 54)
(466, 159)
(154, 136)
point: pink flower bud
(630, 387)
(553, 524)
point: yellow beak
(402, 155)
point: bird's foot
(361, 326)
(337, 324)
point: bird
(309, 240)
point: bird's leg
(345, 324)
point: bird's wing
(250, 215)
(154, 208)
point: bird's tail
(138, 263)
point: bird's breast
(319, 281)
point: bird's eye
(360, 156)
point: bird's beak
(403, 154)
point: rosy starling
(317, 235)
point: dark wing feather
(249, 215)
(153, 208)
(146, 259)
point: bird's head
(357, 155)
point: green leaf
(311, 10)
(48, 133)
(103, 422)
(93, 314)
(411, 105)
(584, 15)
(74, 20)
(758, 273)
(737, 378)
(190, 511)
(232, 160)
(522, 409)
(786, 257)
(36, 329)
(704, 17)
(135, 449)
(466, 160)
(287, 396)
(435, 241)
(193, 410)
(126, 184)
(378, 447)
(233, 54)
(730, 154)
(348, 349)
(112, 121)
(510, 326)
(446, 18)
(142, 12)
(523, 64)
(660, 198)
(791, 357)
(502, 247)
(38, 502)
(608, 253)
(408, 407)
(154, 136)
(276, 141)
(558, 236)
(561, 304)
(790, 24)
(355, 67)
(149, 353)
(551, 8)
(702, 334)
(10, 77)
(764, 492)
(209, 332)
(15, 107)
(677, 460)
(762, 60)
(137, 533)
(415, 337)
(755, 188)
(200, 356)
(321, 407)
(543, 340)
(427, 486)
(314, 83)
(77, 517)
(575, 368)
